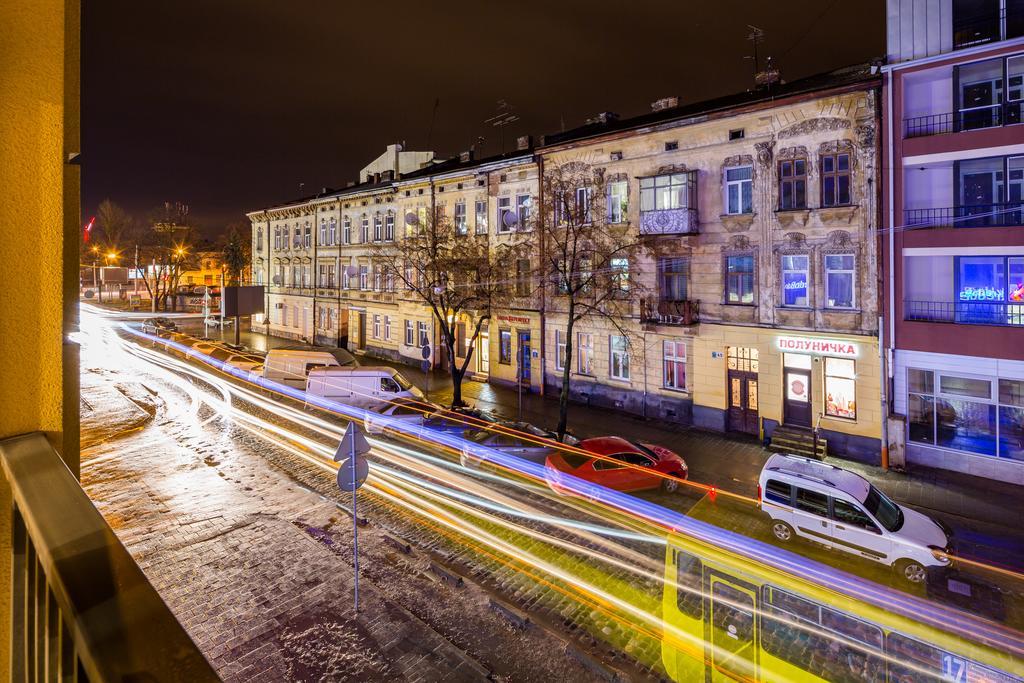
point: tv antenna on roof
(504, 117)
(756, 37)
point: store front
(512, 356)
(964, 413)
(800, 380)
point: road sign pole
(355, 524)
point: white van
(361, 387)
(843, 511)
(292, 366)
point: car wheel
(670, 485)
(782, 531)
(911, 571)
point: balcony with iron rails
(1000, 313)
(979, 118)
(972, 216)
(669, 222)
(80, 607)
(668, 312)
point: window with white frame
(297, 237)
(376, 326)
(841, 388)
(461, 226)
(345, 279)
(620, 273)
(585, 353)
(378, 227)
(389, 280)
(618, 201)
(323, 231)
(524, 202)
(424, 334)
(332, 231)
(739, 189)
(387, 328)
(376, 278)
(583, 204)
(506, 216)
(410, 337)
(346, 230)
(364, 277)
(364, 229)
(840, 277)
(259, 238)
(307, 236)
(618, 354)
(795, 280)
(389, 226)
(277, 238)
(674, 352)
(559, 350)
(481, 216)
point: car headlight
(940, 554)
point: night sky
(229, 106)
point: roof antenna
(756, 37)
(504, 117)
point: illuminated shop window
(840, 388)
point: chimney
(524, 142)
(603, 117)
(665, 103)
(466, 157)
(387, 176)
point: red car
(626, 465)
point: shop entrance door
(742, 386)
(483, 358)
(361, 333)
(524, 357)
(797, 389)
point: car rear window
(778, 491)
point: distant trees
(117, 225)
(462, 278)
(590, 258)
(235, 255)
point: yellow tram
(731, 618)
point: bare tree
(589, 265)
(116, 224)
(165, 252)
(458, 276)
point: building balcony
(965, 312)
(665, 312)
(974, 216)
(669, 222)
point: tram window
(945, 665)
(792, 604)
(855, 629)
(689, 595)
(733, 611)
(812, 502)
(778, 491)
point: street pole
(355, 525)
(519, 380)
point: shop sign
(818, 347)
(981, 294)
(515, 319)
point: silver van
(363, 387)
(844, 511)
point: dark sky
(228, 106)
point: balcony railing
(80, 606)
(965, 312)
(974, 216)
(664, 312)
(992, 116)
(669, 222)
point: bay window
(668, 203)
(840, 278)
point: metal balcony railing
(669, 222)
(992, 116)
(81, 608)
(665, 312)
(965, 312)
(974, 216)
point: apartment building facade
(953, 248)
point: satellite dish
(352, 271)
(412, 219)
(510, 219)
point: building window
(618, 201)
(523, 207)
(840, 277)
(461, 226)
(835, 179)
(675, 364)
(481, 217)
(378, 231)
(505, 347)
(376, 278)
(559, 350)
(387, 328)
(424, 335)
(980, 94)
(297, 237)
(346, 230)
(984, 416)
(795, 279)
(523, 277)
(259, 238)
(376, 326)
(792, 184)
(277, 238)
(672, 275)
(739, 190)
(840, 388)
(668, 192)
(739, 282)
(618, 352)
(506, 217)
(976, 22)
(345, 280)
(409, 334)
(583, 205)
(323, 231)
(585, 353)
(619, 268)
(308, 236)
(364, 229)
(332, 231)
(364, 277)
(389, 227)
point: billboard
(243, 300)
(113, 275)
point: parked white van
(361, 387)
(841, 510)
(292, 366)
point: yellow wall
(709, 374)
